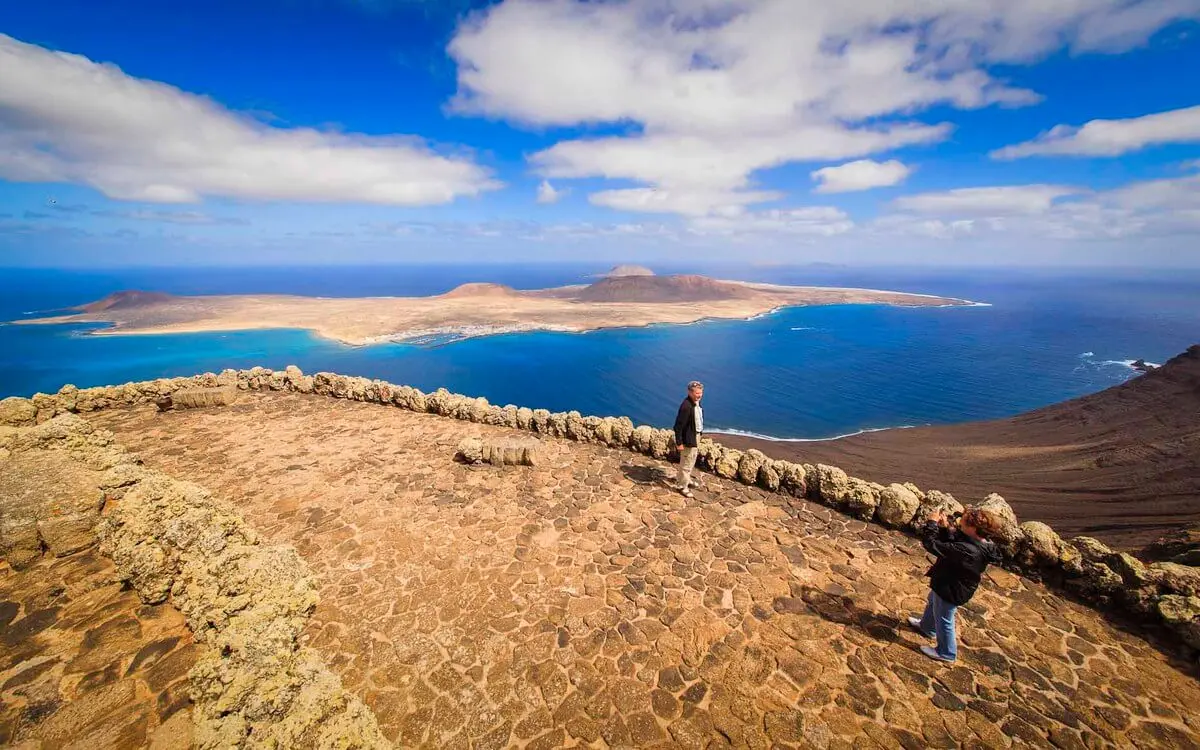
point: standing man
(689, 426)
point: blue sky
(1009, 132)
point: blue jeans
(939, 619)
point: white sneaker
(915, 624)
(685, 492)
(932, 653)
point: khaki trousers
(687, 462)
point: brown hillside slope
(1122, 464)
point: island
(475, 309)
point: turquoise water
(799, 373)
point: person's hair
(989, 525)
(695, 384)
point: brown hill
(1122, 465)
(480, 289)
(679, 288)
(125, 300)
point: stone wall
(1162, 592)
(254, 686)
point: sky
(926, 132)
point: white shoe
(685, 492)
(932, 653)
(915, 624)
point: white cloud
(1041, 214)
(1111, 137)
(863, 174)
(987, 201)
(818, 221)
(546, 193)
(710, 92)
(64, 118)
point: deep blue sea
(799, 373)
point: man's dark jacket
(685, 425)
(961, 562)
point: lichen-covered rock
(897, 506)
(295, 379)
(1041, 546)
(17, 412)
(709, 453)
(525, 418)
(470, 450)
(752, 460)
(593, 427)
(1009, 532)
(662, 443)
(769, 476)
(622, 432)
(575, 428)
(541, 420)
(556, 424)
(833, 485)
(1132, 570)
(602, 430)
(728, 463)
(1092, 550)
(1179, 579)
(933, 503)
(440, 402)
(793, 479)
(643, 437)
(861, 499)
(1175, 609)
(48, 407)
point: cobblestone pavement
(83, 664)
(581, 603)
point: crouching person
(963, 552)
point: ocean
(799, 373)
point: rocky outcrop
(1098, 574)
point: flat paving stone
(77, 660)
(580, 602)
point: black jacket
(685, 425)
(961, 562)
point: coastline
(483, 311)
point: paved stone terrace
(83, 664)
(580, 603)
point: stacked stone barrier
(253, 686)
(1164, 592)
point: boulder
(861, 499)
(833, 485)
(297, 380)
(728, 463)
(1009, 533)
(1179, 579)
(752, 460)
(642, 438)
(1092, 550)
(470, 450)
(1177, 610)
(540, 420)
(897, 506)
(793, 479)
(935, 502)
(525, 418)
(1040, 545)
(662, 444)
(770, 476)
(622, 432)
(17, 412)
(556, 424)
